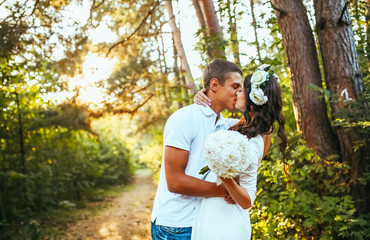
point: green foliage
(212, 44)
(50, 156)
(315, 204)
(151, 151)
(53, 157)
(116, 158)
(62, 166)
(355, 114)
(360, 22)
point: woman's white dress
(215, 219)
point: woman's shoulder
(257, 140)
(258, 145)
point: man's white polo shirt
(187, 129)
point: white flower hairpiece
(259, 77)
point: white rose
(259, 77)
(263, 67)
(227, 153)
(258, 96)
(277, 78)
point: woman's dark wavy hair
(264, 115)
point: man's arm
(175, 161)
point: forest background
(84, 100)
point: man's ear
(214, 85)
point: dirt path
(127, 218)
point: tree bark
(368, 33)
(254, 24)
(177, 73)
(198, 10)
(213, 28)
(203, 26)
(233, 32)
(164, 69)
(310, 109)
(344, 81)
(180, 49)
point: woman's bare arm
(238, 194)
(267, 143)
(201, 98)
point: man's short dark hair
(219, 69)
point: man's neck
(217, 110)
(215, 106)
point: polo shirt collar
(209, 112)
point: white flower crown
(259, 77)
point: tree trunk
(213, 28)
(309, 108)
(177, 73)
(368, 33)
(233, 32)
(180, 49)
(344, 81)
(164, 69)
(21, 138)
(198, 10)
(254, 23)
(203, 26)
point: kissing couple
(190, 205)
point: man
(185, 132)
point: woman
(261, 102)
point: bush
(315, 205)
(62, 166)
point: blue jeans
(160, 232)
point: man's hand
(229, 199)
(237, 179)
(237, 193)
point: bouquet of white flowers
(226, 153)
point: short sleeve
(179, 131)
(248, 178)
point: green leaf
(204, 170)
